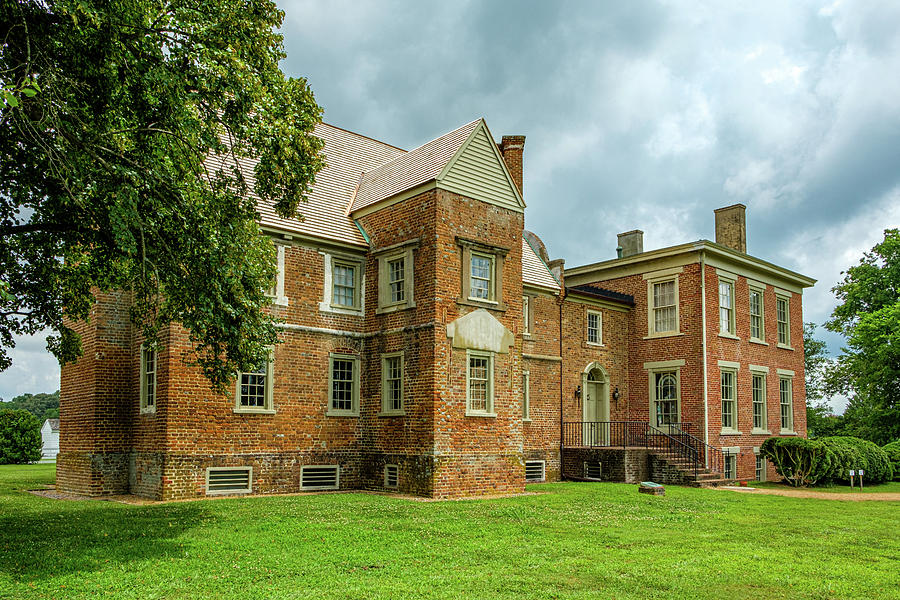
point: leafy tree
(20, 437)
(110, 111)
(868, 370)
(819, 420)
(42, 406)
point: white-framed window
(254, 388)
(594, 320)
(481, 276)
(758, 391)
(343, 385)
(344, 285)
(786, 401)
(392, 377)
(730, 456)
(760, 465)
(148, 379)
(664, 307)
(395, 277)
(481, 268)
(479, 383)
(729, 400)
(757, 315)
(276, 292)
(526, 315)
(783, 320)
(526, 395)
(726, 306)
(665, 392)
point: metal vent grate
(320, 477)
(593, 470)
(229, 480)
(391, 476)
(534, 470)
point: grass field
(891, 486)
(571, 540)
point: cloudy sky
(640, 115)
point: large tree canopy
(109, 110)
(869, 316)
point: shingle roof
(411, 169)
(599, 292)
(534, 271)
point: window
(276, 292)
(343, 385)
(526, 396)
(787, 404)
(729, 400)
(254, 389)
(783, 316)
(344, 285)
(148, 380)
(594, 327)
(758, 387)
(757, 319)
(480, 383)
(760, 466)
(392, 384)
(664, 308)
(666, 397)
(482, 274)
(395, 277)
(726, 307)
(730, 463)
(526, 315)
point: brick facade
(108, 445)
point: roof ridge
(368, 137)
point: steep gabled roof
(534, 271)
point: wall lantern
(578, 392)
(616, 395)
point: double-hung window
(395, 276)
(148, 380)
(594, 327)
(730, 462)
(481, 268)
(757, 315)
(665, 310)
(255, 388)
(343, 385)
(392, 384)
(758, 389)
(344, 289)
(726, 307)
(481, 277)
(729, 400)
(786, 397)
(479, 383)
(344, 284)
(783, 319)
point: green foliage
(855, 453)
(42, 406)
(20, 437)
(893, 453)
(868, 370)
(819, 420)
(800, 461)
(110, 112)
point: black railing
(674, 443)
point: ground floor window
(480, 383)
(760, 468)
(730, 464)
(666, 401)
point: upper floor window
(665, 307)
(392, 384)
(276, 292)
(785, 392)
(480, 383)
(757, 319)
(726, 307)
(594, 327)
(343, 385)
(395, 277)
(254, 388)
(481, 277)
(729, 400)
(344, 284)
(783, 318)
(482, 274)
(526, 315)
(758, 390)
(148, 380)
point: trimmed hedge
(855, 453)
(20, 437)
(800, 461)
(893, 453)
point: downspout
(703, 348)
(561, 377)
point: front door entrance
(595, 412)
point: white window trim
(587, 317)
(268, 407)
(385, 304)
(526, 396)
(326, 305)
(354, 395)
(763, 471)
(279, 297)
(145, 409)
(762, 314)
(663, 367)
(497, 255)
(760, 371)
(489, 412)
(728, 367)
(492, 281)
(386, 410)
(787, 299)
(785, 375)
(651, 321)
(731, 281)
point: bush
(20, 437)
(800, 461)
(893, 453)
(855, 453)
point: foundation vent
(391, 476)
(229, 480)
(534, 470)
(320, 477)
(593, 470)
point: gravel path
(804, 493)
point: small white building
(50, 439)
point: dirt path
(802, 493)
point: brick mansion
(432, 346)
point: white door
(596, 412)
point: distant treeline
(42, 406)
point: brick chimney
(731, 227)
(512, 148)
(631, 242)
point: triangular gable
(478, 171)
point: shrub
(893, 453)
(800, 461)
(20, 437)
(855, 453)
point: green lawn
(573, 540)
(891, 486)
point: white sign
(852, 472)
(861, 472)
